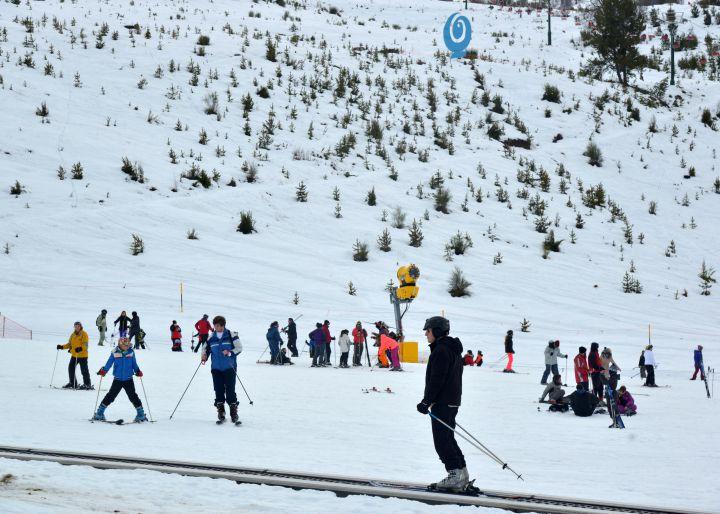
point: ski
(511, 372)
(111, 421)
(376, 390)
(707, 387)
(237, 423)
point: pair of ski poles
(193, 378)
(475, 443)
(97, 398)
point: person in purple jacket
(317, 342)
(625, 402)
(122, 361)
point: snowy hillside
(158, 120)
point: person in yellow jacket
(77, 347)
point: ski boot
(140, 416)
(100, 414)
(86, 387)
(69, 385)
(220, 412)
(456, 481)
(234, 413)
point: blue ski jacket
(317, 336)
(215, 348)
(273, 337)
(698, 358)
(123, 363)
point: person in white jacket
(345, 344)
(650, 365)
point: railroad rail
(342, 486)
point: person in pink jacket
(389, 343)
(625, 402)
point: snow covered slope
(68, 241)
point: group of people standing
(129, 327)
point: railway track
(340, 485)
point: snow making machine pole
(404, 294)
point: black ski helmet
(104, 311)
(439, 325)
(509, 332)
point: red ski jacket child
(581, 368)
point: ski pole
(263, 353)
(146, 399)
(566, 370)
(186, 389)
(241, 384)
(477, 444)
(57, 354)
(97, 399)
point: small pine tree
(551, 94)
(442, 199)
(541, 224)
(415, 234)
(458, 285)
(137, 245)
(360, 251)
(61, 172)
(525, 325)
(497, 259)
(192, 234)
(295, 299)
(77, 171)
(270, 50)
(17, 188)
(398, 218)
(459, 244)
(593, 153)
(247, 223)
(371, 198)
(351, 289)
(301, 192)
(338, 211)
(384, 241)
(550, 244)
(707, 278)
(203, 138)
(579, 222)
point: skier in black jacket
(509, 352)
(135, 331)
(291, 331)
(443, 390)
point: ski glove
(423, 408)
(78, 349)
(102, 372)
(59, 347)
(139, 373)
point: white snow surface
(68, 240)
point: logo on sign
(457, 34)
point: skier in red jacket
(203, 328)
(328, 338)
(582, 372)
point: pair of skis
(222, 422)
(376, 390)
(610, 395)
(119, 421)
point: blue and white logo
(457, 34)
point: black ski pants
(202, 338)
(444, 439)
(650, 381)
(74, 361)
(357, 354)
(292, 346)
(597, 385)
(344, 358)
(224, 385)
(119, 385)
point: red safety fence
(9, 329)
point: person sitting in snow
(553, 390)
(122, 361)
(625, 402)
(283, 357)
(479, 359)
(582, 401)
(469, 359)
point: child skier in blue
(124, 365)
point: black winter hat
(582, 349)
